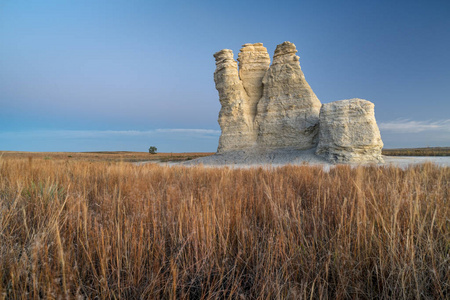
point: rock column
(253, 64)
(288, 112)
(234, 118)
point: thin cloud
(410, 126)
(183, 130)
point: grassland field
(130, 156)
(95, 226)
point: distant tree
(152, 150)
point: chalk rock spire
(288, 112)
(234, 116)
(253, 64)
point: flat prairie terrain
(82, 228)
(430, 151)
(109, 156)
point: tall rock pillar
(234, 116)
(288, 112)
(253, 64)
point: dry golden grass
(78, 229)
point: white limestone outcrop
(253, 64)
(288, 112)
(234, 116)
(268, 109)
(349, 132)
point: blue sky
(91, 75)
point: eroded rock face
(234, 116)
(253, 64)
(349, 132)
(288, 112)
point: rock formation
(270, 108)
(265, 107)
(235, 119)
(253, 64)
(288, 112)
(349, 133)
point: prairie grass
(78, 229)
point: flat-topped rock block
(349, 132)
